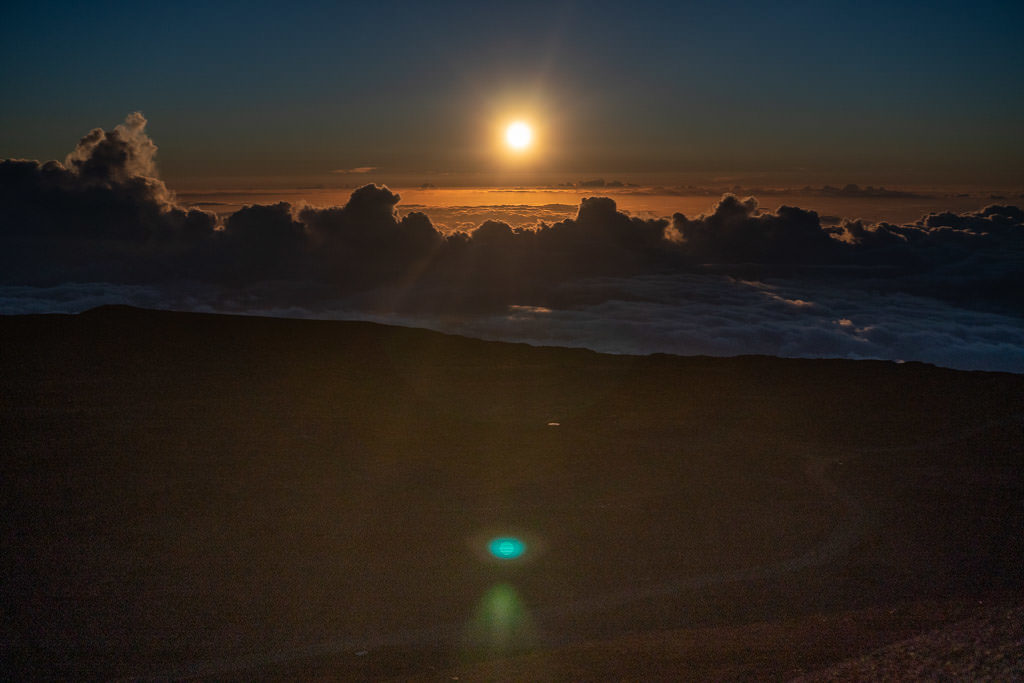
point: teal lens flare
(506, 548)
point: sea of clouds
(101, 227)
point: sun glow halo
(518, 135)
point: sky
(884, 93)
(702, 178)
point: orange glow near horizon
(638, 200)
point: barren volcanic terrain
(188, 495)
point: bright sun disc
(518, 135)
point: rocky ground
(204, 496)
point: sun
(518, 135)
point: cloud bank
(357, 170)
(101, 215)
(948, 288)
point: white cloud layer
(679, 314)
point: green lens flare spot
(506, 548)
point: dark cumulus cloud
(101, 215)
(736, 233)
(736, 279)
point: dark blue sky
(902, 92)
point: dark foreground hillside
(192, 495)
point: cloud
(448, 219)
(598, 183)
(949, 287)
(261, 243)
(854, 190)
(700, 314)
(848, 191)
(117, 156)
(686, 313)
(736, 233)
(365, 243)
(992, 219)
(356, 170)
(103, 215)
